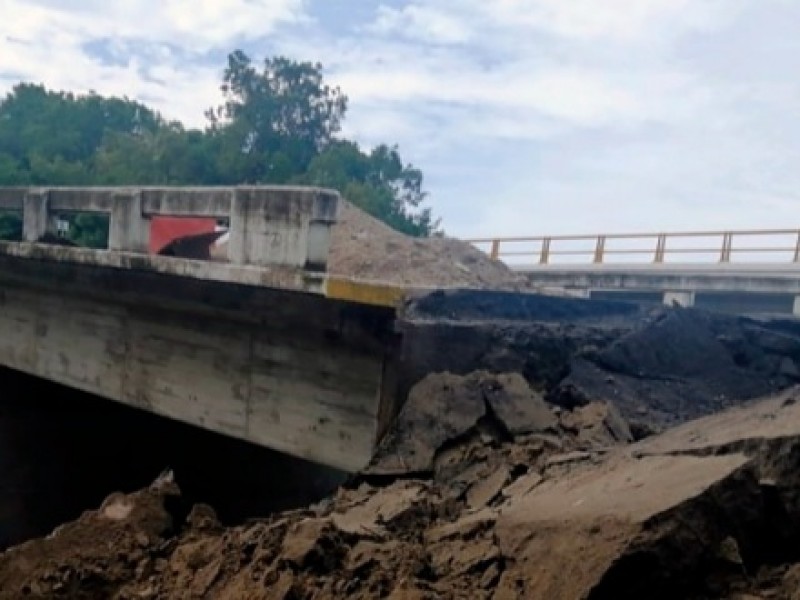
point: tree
(52, 137)
(377, 182)
(283, 114)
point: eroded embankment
(659, 367)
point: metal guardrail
(659, 245)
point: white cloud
(196, 25)
(47, 42)
(422, 22)
(617, 20)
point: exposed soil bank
(62, 451)
(659, 367)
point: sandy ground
(362, 247)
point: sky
(527, 117)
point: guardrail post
(797, 249)
(35, 215)
(727, 244)
(544, 256)
(599, 249)
(494, 253)
(661, 246)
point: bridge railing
(773, 245)
(268, 225)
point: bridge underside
(290, 370)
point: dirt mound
(364, 248)
(96, 555)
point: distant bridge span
(752, 271)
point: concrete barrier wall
(275, 225)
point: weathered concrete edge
(373, 293)
(283, 277)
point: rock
(597, 424)
(569, 457)
(483, 491)
(465, 527)
(444, 407)
(675, 502)
(439, 408)
(729, 551)
(522, 485)
(515, 404)
(579, 529)
(371, 516)
(366, 552)
(302, 540)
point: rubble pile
(506, 497)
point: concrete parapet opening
(10, 225)
(82, 229)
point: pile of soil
(363, 247)
(510, 498)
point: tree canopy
(279, 123)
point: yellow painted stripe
(377, 294)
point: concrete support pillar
(796, 306)
(128, 230)
(685, 299)
(237, 228)
(35, 215)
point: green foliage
(284, 114)
(10, 226)
(277, 124)
(377, 182)
(89, 230)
